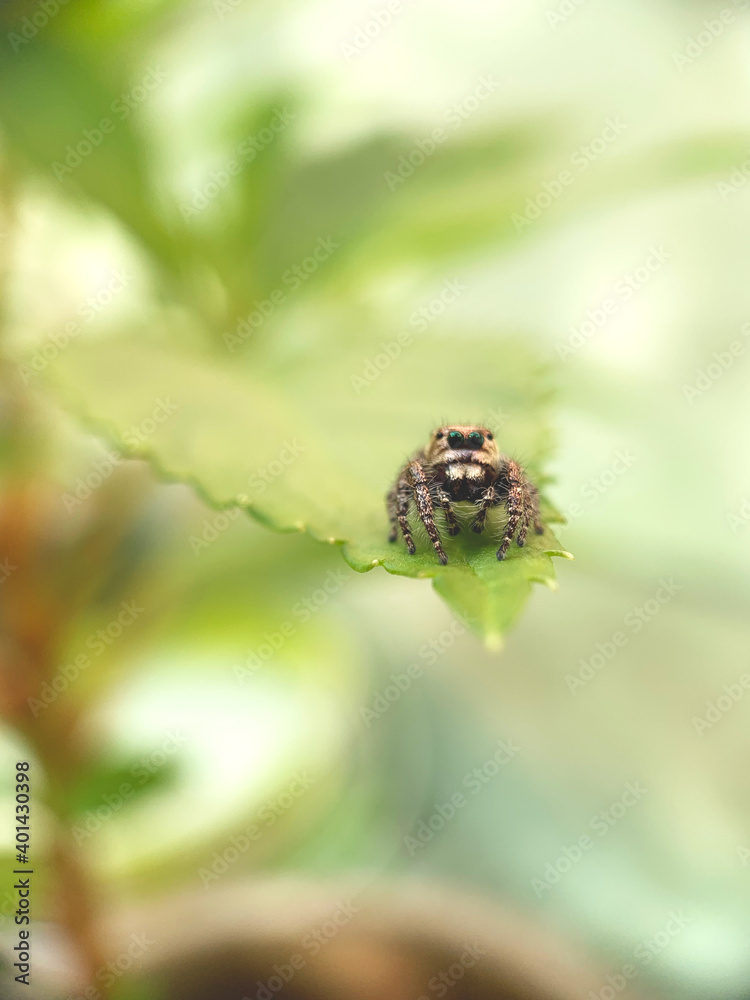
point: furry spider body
(462, 463)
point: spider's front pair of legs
(413, 483)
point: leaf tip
(494, 641)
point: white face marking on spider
(465, 470)
(462, 462)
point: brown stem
(33, 622)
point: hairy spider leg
(404, 494)
(447, 504)
(392, 505)
(522, 508)
(489, 499)
(424, 508)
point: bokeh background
(256, 771)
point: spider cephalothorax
(462, 463)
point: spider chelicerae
(462, 463)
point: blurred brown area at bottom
(408, 941)
(356, 969)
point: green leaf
(65, 118)
(313, 443)
(141, 773)
(486, 595)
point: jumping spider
(463, 463)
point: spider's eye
(455, 439)
(475, 439)
(489, 437)
(439, 435)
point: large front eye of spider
(455, 439)
(475, 439)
